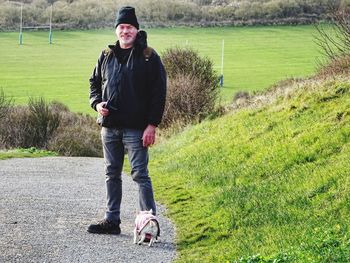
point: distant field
(255, 57)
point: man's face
(126, 34)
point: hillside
(96, 14)
(265, 182)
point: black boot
(105, 227)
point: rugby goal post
(221, 80)
(21, 27)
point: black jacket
(136, 90)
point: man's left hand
(149, 135)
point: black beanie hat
(126, 15)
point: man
(127, 89)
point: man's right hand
(101, 109)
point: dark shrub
(77, 135)
(192, 86)
(76, 140)
(49, 126)
(28, 126)
(179, 105)
(336, 66)
(187, 61)
(15, 129)
(58, 107)
(5, 105)
(43, 122)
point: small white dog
(146, 228)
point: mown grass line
(269, 183)
(255, 57)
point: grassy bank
(22, 153)
(255, 57)
(263, 184)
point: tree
(336, 41)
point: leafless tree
(334, 39)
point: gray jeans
(115, 142)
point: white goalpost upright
(222, 63)
(50, 33)
(21, 27)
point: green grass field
(255, 57)
(263, 185)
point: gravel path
(46, 205)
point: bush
(49, 126)
(42, 122)
(192, 87)
(335, 42)
(77, 135)
(337, 66)
(76, 141)
(28, 126)
(5, 105)
(180, 105)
